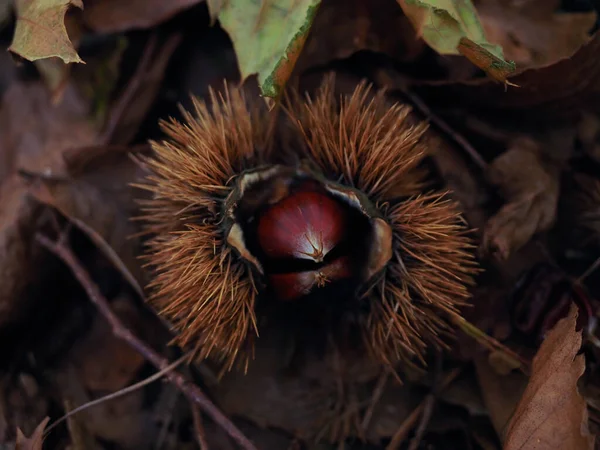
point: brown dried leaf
(35, 132)
(35, 441)
(113, 16)
(342, 28)
(501, 393)
(533, 33)
(18, 214)
(546, 96)
(530, 187)
(98, 198)
(552, 414)
(99, 363)
(40, 31)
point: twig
(427, 411)
(385, 78)
(429, 404)
(411, 420)
(120, 393)
(191, 391)
(377, 393)
(199, 427)
(491, 344)
(588, 271)
(125, 99)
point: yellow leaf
(40, 30)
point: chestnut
(305, 225)
(293, 285)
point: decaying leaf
(342, 28)
(57, 127)
(588, 132)
(35, 441)
(501, 392)
(445, 24)
(586, 204)
(98, 198)
(530, 187)
(534, 33)
(268, 37)
(552, 414)
(40, 31)
(18, 214)
(112, 16)
(547, 96)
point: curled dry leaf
(548, 95)
(268, 37)
(35, 441)
(530, 187)
(552, 414)
(447, 25)
(40, 31)
(533, 33)
(113, 16)
(342, 28)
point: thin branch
(588, 271)
(392, 80)
(377, 393)
(429, 405)
(191, 391)
(511, 357)
(119, 393)
(427, 411)
(412, 419)
(199, 427)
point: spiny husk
(206, 291)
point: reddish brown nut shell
(308, 224)
(290, 286)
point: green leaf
(40, 30)
(268, 36)
(445, 24)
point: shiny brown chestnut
(305, 225)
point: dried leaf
(501, 393)
(534, 33)
(342, 28)
(552, 414)
(547, 96)
(35, 441)
(40, 31)
(444, 24)
(530, 187)
(495, 67)
(113, 16)
(36, 132)
(98, 198)
(268, 37)
(18, 214)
